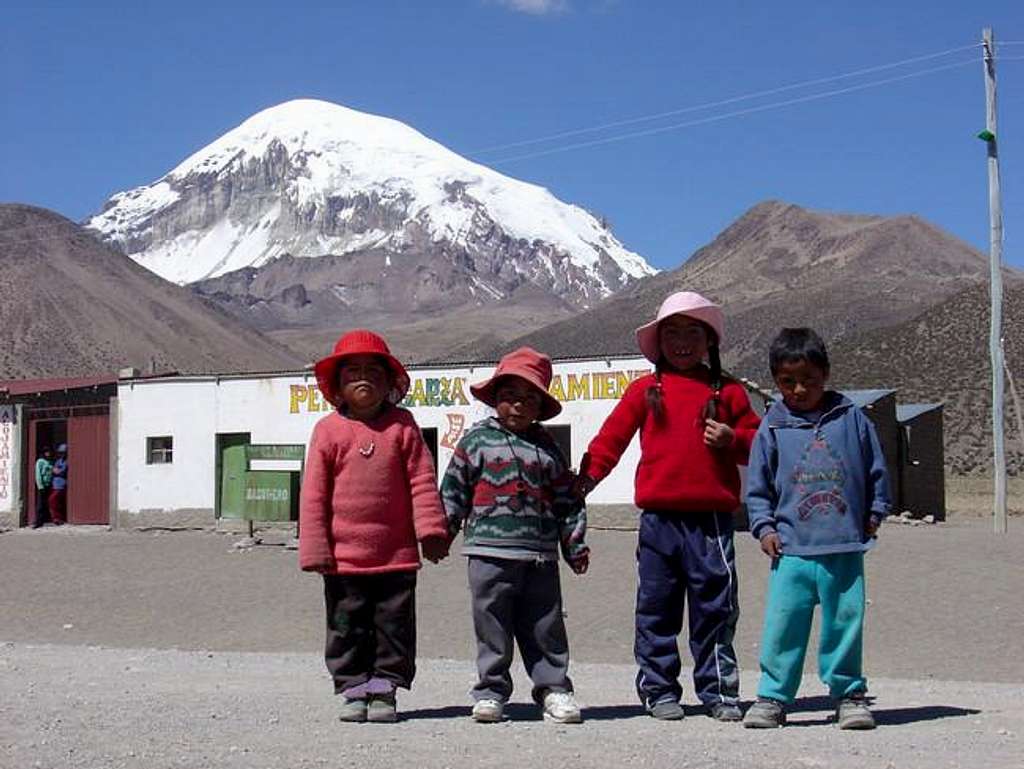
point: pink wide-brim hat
(530, 365)
(359, 342)
(688, 303)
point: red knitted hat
(530, 365)
(359, 342)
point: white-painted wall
(9, 448)
(283, 409)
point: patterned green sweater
(513, 491)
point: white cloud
(536, 7)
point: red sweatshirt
(369, 493)
(677, 471)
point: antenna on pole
(989, 136)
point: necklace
(367, 450)
(521, 483)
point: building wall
(882, 413)
(284, 409)
(923, 475)
(10, 454)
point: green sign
(287, 451)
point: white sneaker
(562, 708)
(487, 711)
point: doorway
(231, 474)
(43, 435)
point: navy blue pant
(686, 557)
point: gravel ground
(166, 649)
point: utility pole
(996, 265)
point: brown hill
(778, 265)
(418, 302)
(943, 355)
(72, 305)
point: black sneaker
(725, 711)
(853, 712)
(382, 709)
(765, 714)
(666, 710)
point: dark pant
(58, 504)
(42, 506)
(680, 557)
(371, 629)
(520, 600)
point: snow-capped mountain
(309, 178)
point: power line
(731, 100)
(736, 113)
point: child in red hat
(369, 495)
(510, 488)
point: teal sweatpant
(796, 585)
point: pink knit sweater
(369, 493)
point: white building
(180, 440)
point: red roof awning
(12, 387)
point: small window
(159, 450)
(563, 437)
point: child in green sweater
(510, 488)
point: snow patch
(342, 152)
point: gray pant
(521, 600)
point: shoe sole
(762, 725)
(353, 719)
(670, 717)
(576, 719)
(861, 726)
(487, 718)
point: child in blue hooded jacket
(817, 490)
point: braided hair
(654, 394)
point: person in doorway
(696, 426)
(510, 488)
(369, 496)
(59, 490)
(44, 480)
(817, 491)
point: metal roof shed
(922, 460)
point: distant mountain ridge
(777, 265)
(74, 306)
(309, 178)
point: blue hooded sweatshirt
(816, 483)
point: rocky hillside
(73, 305)
(777, 265)
(943, 355)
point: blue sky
(99, 97)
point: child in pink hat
(369, 502)
(509, 488)
(695, 427)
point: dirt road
(176, 650)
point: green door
(231, 474)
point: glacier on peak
(195, 222)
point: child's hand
(582, 486)
(718, 435)
(871, 527)
(435, 549)
(771, 545)
(580, 562)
